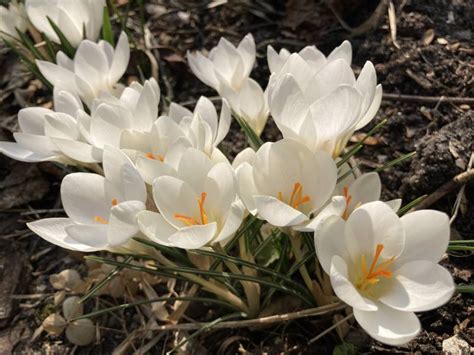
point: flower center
(102, 220)
(376, 272)
(190, 221)
(296, 199)
(155, 156)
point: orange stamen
(100, 220)
(114, 202)
(373, 275)
(348, 197)
(189, 221)
(296, 198)
(155, 157)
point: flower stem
(297, 253)
(216, 288)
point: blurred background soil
(431, 56)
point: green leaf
(410, 205)
(28, 43)
(66, 46)
(49, 48)
(466, 241)
(254, 140)
(358, 146)
(395, 161)
(107, 33)
(345, 349)
(159, 299)
(465, 288)
(460, 247)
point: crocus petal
(203, 68)
(246, 48)
(31, 120)
(123, 222)
(18, 152)
(150, 169)
(373, 108)
(366, 188)
(329, 241)
(246, 186)
(394, 204)
(155, 227)
(93, 236)
(79, 151)
(388, 325)
(372, 224)
(225, 119)
(38, 144)
(313, 57)
(334, 208)
(83, 197)
(344, 289)
(55, 74)
(120, 60)
(344, 51)
(278, 213)
(53, 230)
(194, 237)
(232, 222)
(245, 156)
(419, 286)
(426, 236)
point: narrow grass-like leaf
(278, 268)
(65, 44)
(266, 241)
(28, 43)
(303, 261)
(347, 173)
(465, 288)
(254, 140)
(410, 205)
(467, 241)
(107, 33)
(34, 69)
(104, 282)
(395, 162)
(49, 47)
(262, 269)
(174, 252)
(159, 299)
(460, 247)
(358, 146)
(206, 328)
(168, 271)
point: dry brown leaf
(428, 37)
(81, 332)
(54, 324)
(68, 279)
(72, 308)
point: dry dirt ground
(432, 56)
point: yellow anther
(296, 199)
(100, 220)
(375, 273)
(190, 221)
(155, 156)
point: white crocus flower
(287, 183)
(47, 135)
(225, 64)
(12, 19)
(249, 103)
(311, 55)
(101, 210)
(386, 267)
(75, 18)
(203, 127)
(227, 70)
(198, 206)
(136, 109)
(323, 106)
(95, 69)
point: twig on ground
(259, 321)
(428, 99)
(446, 188)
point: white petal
(121, 59)
(275, 62)
(394, 204)
(203, 68)
(207, 111)
(246, 48)
(366, 83)
(91, 64)
(31, 120)
(344, 51)
(66, 102)
(426, 236)
(107, 124)
(373, 108)
(53, 231)
(155, 227)
(232, 222)
(337, 113)
(194, 237)
(388, 325)
(366, 188)
(372, 224)
(18, 152)
(69, 28)
(344, 289)
(194, 167)
(220, 187)
(55, 74)
(225, 119)
(150, 169)
(419, 286)
(278, 213)
(245, 156)
(334, 208)
(61, 125)
(313, 57)
(177, 112)
(93, 236)
(38, 144)
(79, 151)
(329, 241)
(246, 186)
(123, 222)
(83, 197)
